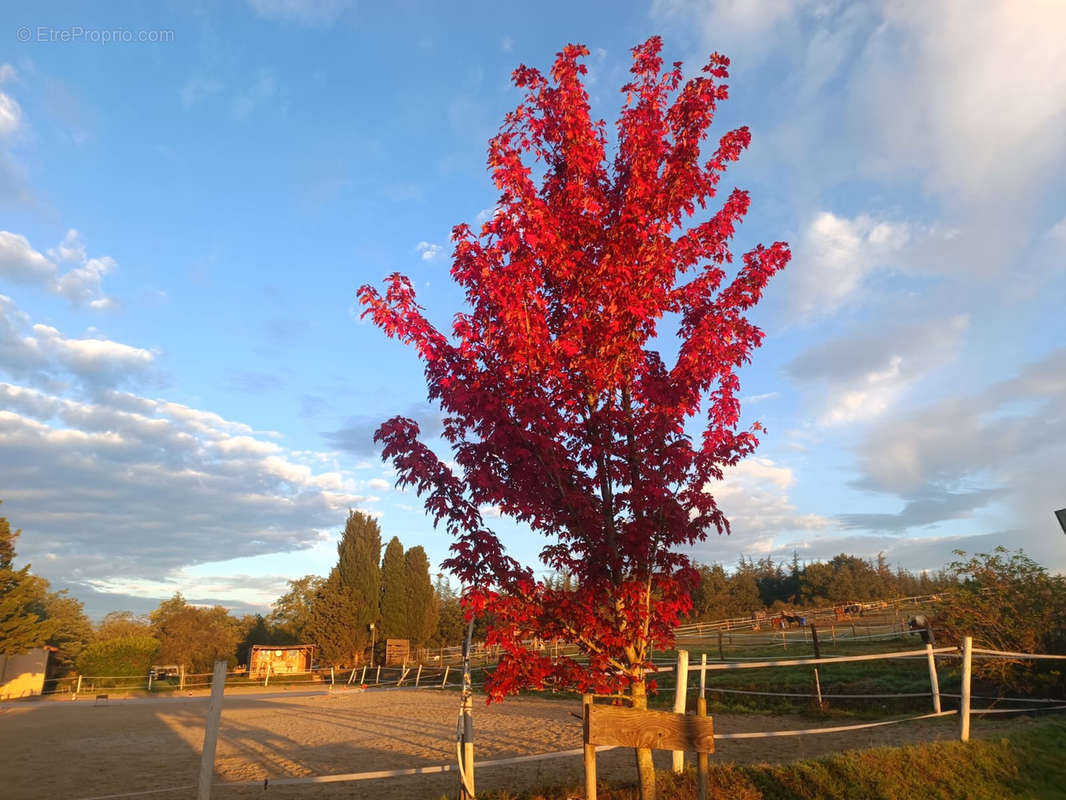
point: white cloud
(198, 88)
(507, 44)
(835, 257)
(754, 498)
(146, 492)
(859, 375)
(81, 285)
(379, 483)
(10, 114)
(7, 73)
(43, 356)
(428, 250)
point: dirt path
(60, 749)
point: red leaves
(559, 410)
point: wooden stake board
(659, 730)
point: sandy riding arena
(76, 750)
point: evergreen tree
(422, 611)
(395, 593)
(347, 603)
(22, 621)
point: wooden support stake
(77, 689)
(444, 682)
(703, 767)
(214, 718)
(418, 675)
(964, 703)
(814, 641)
(680, 702)
(266, 677)
(377, 678)
(590, 752)
(149, 681)
(818, 687)
(721, 652)
(362, 678)
(934, 683)
(332, 677)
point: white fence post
(444, 682)
(964, 702)
(703, 675)
(934, 683)
(77, 689)
(214, 717)
(680, 698)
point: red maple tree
(559, 410)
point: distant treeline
(765, 584)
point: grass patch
(1027, 764)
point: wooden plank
(659, 730)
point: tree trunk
(645, 765)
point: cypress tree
(395, 592)
(422, 610)
(348, 602)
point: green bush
(123, 656)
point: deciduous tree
(560, 409)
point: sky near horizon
(188, 395)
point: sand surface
(63, 750)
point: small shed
(23, 675)
(280, 659)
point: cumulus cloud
(754, 497)
(42, 356)
(127, 485)
(80, 283)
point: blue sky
(186, 391)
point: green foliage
(422, 612)
(1007, 602)
(121, 623)
(345, 606)
(291, 612)
(23, 624)
(193, 636)
(122, 656)
(450, 625)
(395, 613)
(71, 629)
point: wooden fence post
(362, 678)
(214, 717)
(418, 675)
(703, 675)
(964, 703)
(149, 681)
(590, 751)
(331, 677)
(703, 766)
(934, 684)
(266, 677)
(377, 678)
(680, 701)
(721, 652)
(77, 689)
(444, 682)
